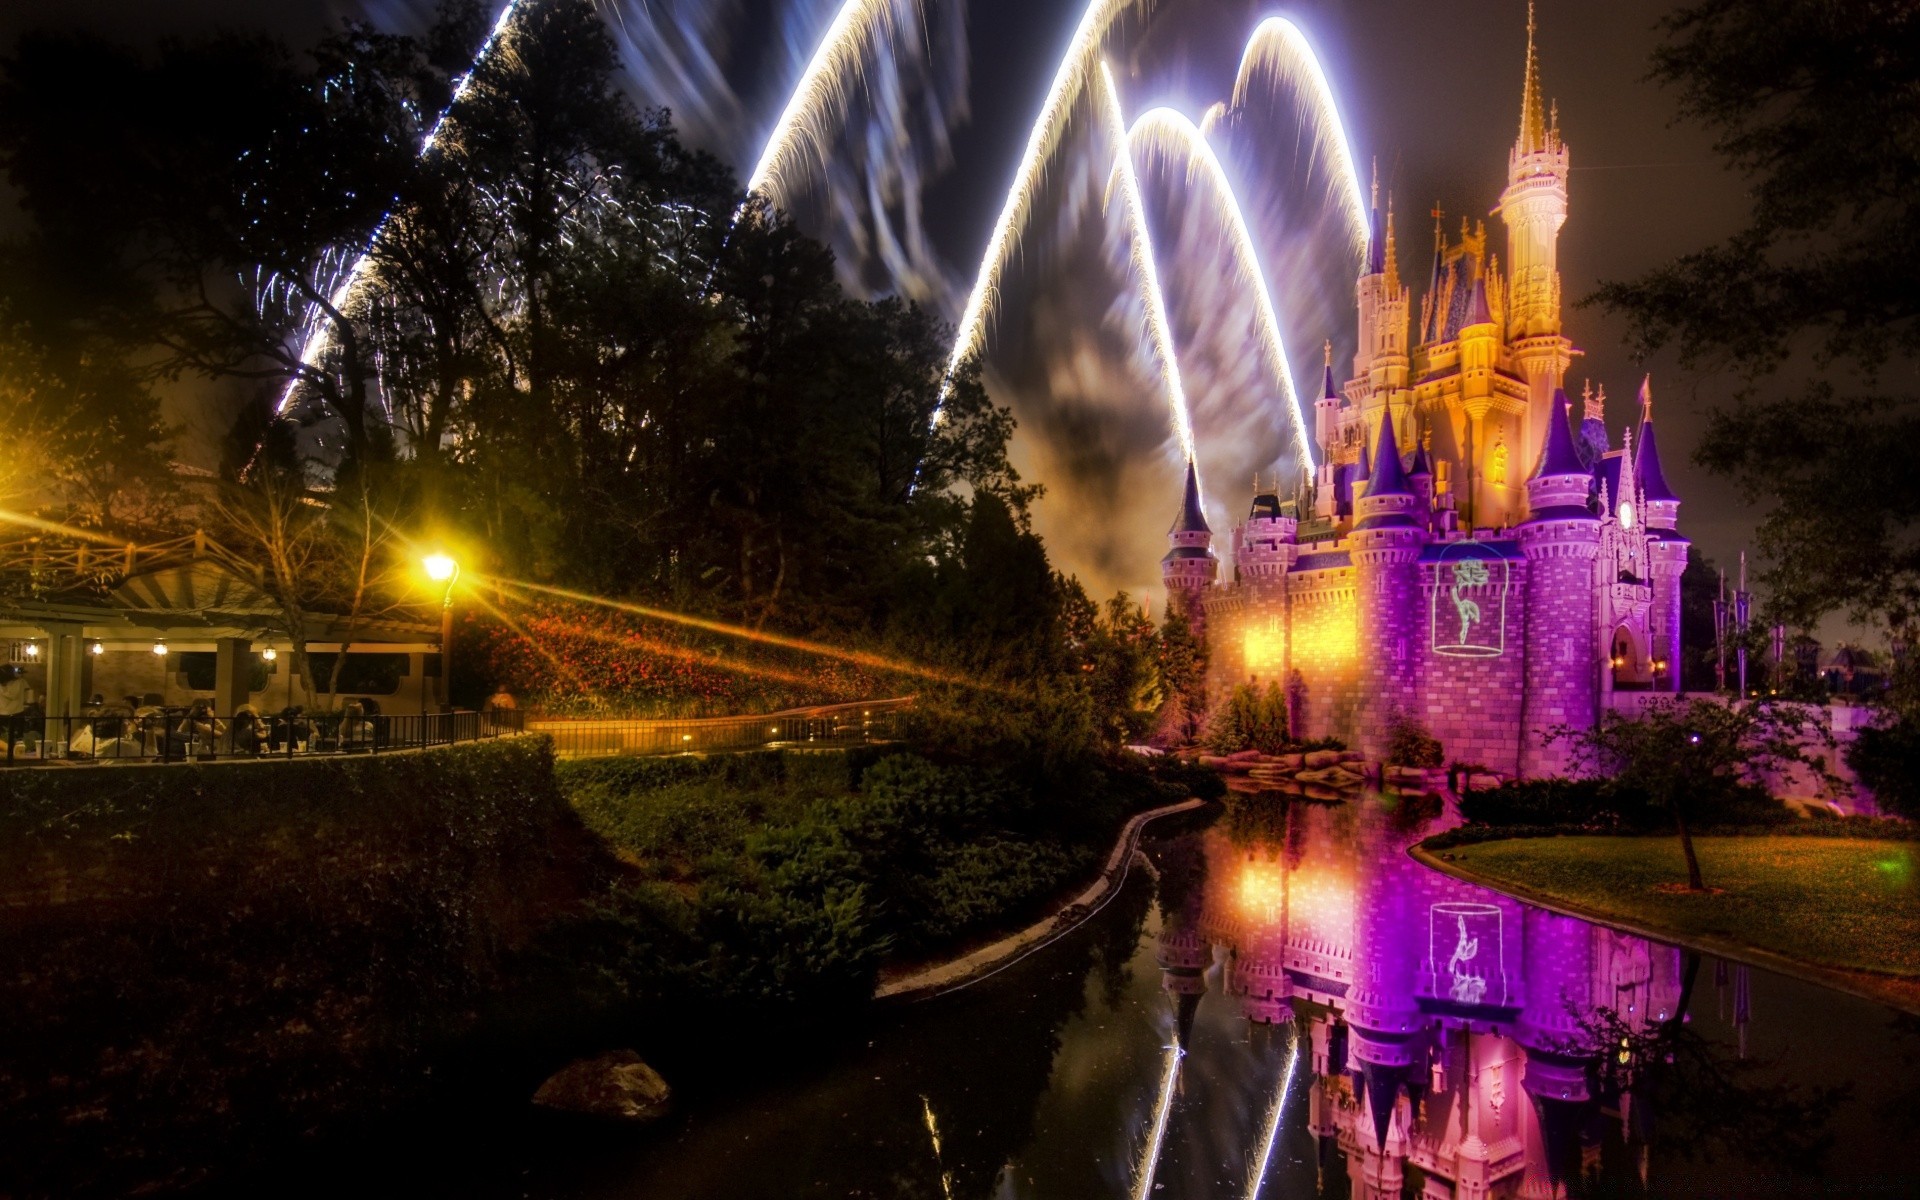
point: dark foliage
(205, 960)
(1815, 304)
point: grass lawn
(1836, 903)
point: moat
(1440, 1060)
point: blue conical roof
(1477, 311)
(1192, 518)
(1327, 389)
(1389, 475)
(1646, 465)
(1561, 456)
(1376, 244)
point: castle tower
(1666, 549)
(1387, 535)
(1381, 359)
(1326, 432)
(1559, 541)
(1534, 207)
(1190, 568)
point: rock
(616, 1085)
(1213, 760)
(1478, 782)
(1292, 762)
(1320, 759)
(1245, 756)
(1351, 756)
(1334, 776)
(1415, 775)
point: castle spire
(1376, 239)
(1327, 389)
(1559, 457)
(1389, 476)
(1193, 518)
(1533, 117)
(1392, 264)
(1646, 463)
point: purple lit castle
(1464, 555)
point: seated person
(104, 738)
(356, 731)
(246, 733)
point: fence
(184, 735)
(826, 725)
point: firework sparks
(318, 334)
(1158, 327)
(1068, 82)
(822, 91)
(1169, 134)
(1280, 52)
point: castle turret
(1534, 207)
(1190, 568)
(1386, 542)
(1666, 549)
(1560, 541)
(1326, 431)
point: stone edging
(973, 967)
(1839, 979)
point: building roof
(1390, 475)
(1561, 456)
(1646, 464)
(1477, 311)
(1192, 518)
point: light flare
(1280, 51)
(1069, 80)
(878, 662)
(1145, 272)
(821, 92)
(1169, 134)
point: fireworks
(319, 333)
(1169, 134)
(1258, 1177)
(1158, 327)
(1068, 82)
(1157, 1135)
(1281, 52)
(822, 91)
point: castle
(1464, 555)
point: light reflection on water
(1288, 1006)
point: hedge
(206, 958)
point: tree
(1687, 758)
(1812, 102)
(1183, 675)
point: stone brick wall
(1473, 704)
(1561, 651)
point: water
(1443, 1034)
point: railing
(826, 725)
(183, 735)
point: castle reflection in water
(1448, 1028)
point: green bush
(1886, 758)
(244, 949)
(1412, 746)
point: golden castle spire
(1534, 130)
(1393, 259)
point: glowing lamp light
(160, 647)
(96, 648)
(269, 654)
(32, 649)
(1626, 514)
(440, 568)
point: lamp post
(442, 569)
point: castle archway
(1627, 655)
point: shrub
(1886, 757)
(1412, 746)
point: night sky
(1430, 90)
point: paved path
(988, 960)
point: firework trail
(1158, 327)
(1169, 134)
(1068, 82)
(1157, 1136)
(1280, 52)
(1257, 1179)
(318, 335)
(822, 91)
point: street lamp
(443, 570)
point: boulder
(1351, 756)
(1291, 761)
(1320, 759)
(1479, 782)
(616, 1085)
